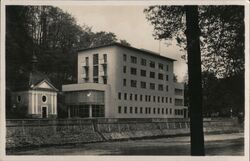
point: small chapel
(34, 95)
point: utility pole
(194, 81)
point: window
(154, 110)
(158, 110)
(162, 99)
(131, 110)
(133, 71)
(170, 111)
(143, 84)
(149, 110)
(152, 86)
(152, 64)
(135, 97)
(119, 95)
(124, 82)
(104, 80)
(133, 83)
(146, 98)
(170, 100)
(160, 76)
(95, 71)
(141, 97)
(98, 111)
(125, 109)
(166, 110)
(95, 59)
(105, 58)
(154, 98)
(159, 98)
(141, 110)
(178, 91)
(160, 87)
(160, 65)
(18, 99)
(105, 70)
(124, 57)
(131, 96)
(44, 98)
(149, 98)
(146, 110)
(119, 109)
(167, 88)
(133, 59)
(152, 75)
(175, 112)
(162, 111)
(167, 67)
(125, 96)
(143, 73)
(87, 61)
(166, 100)
(166, 77)
(136, 110)
(124, 69)
(143, 62)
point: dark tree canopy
(53, 35)
(221, 95)
(222, 34)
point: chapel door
(44, 112)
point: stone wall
(38, 132)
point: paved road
(223, 144)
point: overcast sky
(129, 23)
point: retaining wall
(33, 132)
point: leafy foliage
(220, 96)
(53, 35)
(222, 34)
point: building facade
(34, 95)
(118, 81)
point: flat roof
(131, 48)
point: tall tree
(194, 81)
(169, 22)
(222, 34)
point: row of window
(143, 85)
(143, 73)
(19, 98)
(146, 98)
(149, 110)
(143, 62)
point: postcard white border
(130, 2)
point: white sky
(129, 23)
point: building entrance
(44, 112)
(86, 111)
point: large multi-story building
(118, 81)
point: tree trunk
(194, 81)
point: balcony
(103, 61)
(179, 102)
(85, 76)
(85, 64)
(103, 74)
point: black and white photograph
(157, 79)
